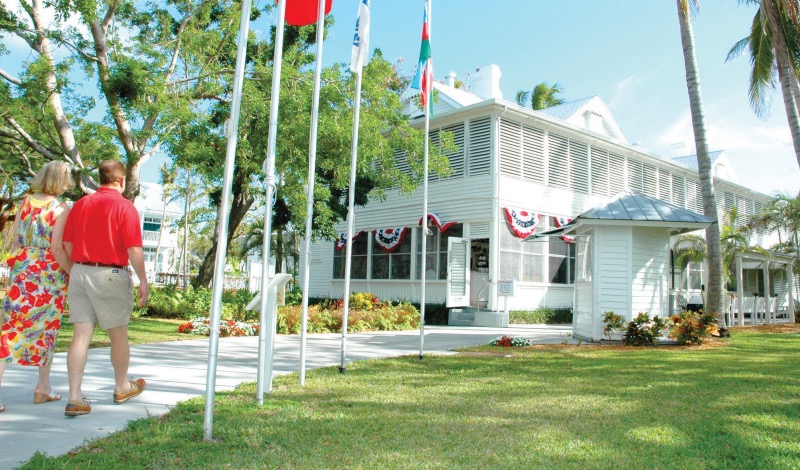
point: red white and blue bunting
(522, 222)
(389, 239)
(560, 222)
(341, 242)
(434, 217)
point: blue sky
(629, 53)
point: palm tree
(714, 300)
(774, 45)
(542, 96)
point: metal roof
(638, 207)
(691, 160)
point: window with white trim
(435, 251)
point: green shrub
(546, 315)
(322, 319)
(644, 331)
(613, 323)
(693, 327)
(171, 302)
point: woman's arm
(57, 240)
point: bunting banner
(304, 12)
(560, 222)
(341, 242)
(437, 221)
(523, 223)
(389, 239)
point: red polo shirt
(102, 226)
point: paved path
(176, 371)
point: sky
(628, 53)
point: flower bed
(510, 341)
(200, 326)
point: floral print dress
(34, 303)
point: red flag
(304, 12)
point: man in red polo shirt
(102, 233)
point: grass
(736, 405)
(140, 331)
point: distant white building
(158, 225)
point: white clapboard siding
(479, 146)
(649, 261)
(613, 267)
(321, 269)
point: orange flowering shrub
(693, 328)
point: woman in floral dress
(32, 307)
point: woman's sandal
(2, 407)
(39, 398)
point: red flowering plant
(201, 326)
(509, 341)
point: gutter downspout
(494, 244)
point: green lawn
(736, 405)
(140, 331)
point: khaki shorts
(100, 295)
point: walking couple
(88, 247)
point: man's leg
(120, 356)
(76, 359)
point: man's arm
(136, 255)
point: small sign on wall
(505, 288)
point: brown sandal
(39, 398)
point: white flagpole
(424, 228)
(266, 328)
(232, 131)
(312, 163)
(363, 43)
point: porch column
(739, 289)
(790, 278)
(765, 270)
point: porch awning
(636, 209)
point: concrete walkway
(176, 371)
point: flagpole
(350, 222)
(424, 228)
(312, 163)
(232, 131)
(360, 45)
(267, 325)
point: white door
(458, 272)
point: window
(152, 224)
(435, 251)
(394, 265)
(561, 261)
(149, 254)
(358, 261)
(523, 261)
(547, 260)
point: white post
(424, 227)
(312, 164)
(269, 172)
(765, 270)
(740, 289)
(350, 221)
(232, 130)
(790, 278)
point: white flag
(361, 38)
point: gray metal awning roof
(634, 207)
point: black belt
(101, 265)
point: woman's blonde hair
(54, 178)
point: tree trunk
(279, 251)
(786, 73)
(714, 297)
(62, 126)
(187, 205)
(242, 201)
